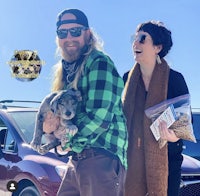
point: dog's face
(64, 104)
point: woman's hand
(51, 122)
(167, 134)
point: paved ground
(3, 193)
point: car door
(8, 168)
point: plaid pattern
(100, 120)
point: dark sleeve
(125, 77)
(176, 85)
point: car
(190, 184)
(34, 174)
(190, 177)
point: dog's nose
(68, 113)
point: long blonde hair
(57, 84)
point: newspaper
(168, 116)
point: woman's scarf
(147, 172)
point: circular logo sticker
(25, 65)
(12, 186)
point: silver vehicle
(190, 184)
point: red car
(22, 170)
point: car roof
(196, 110)
(21, 109)
(10, 105)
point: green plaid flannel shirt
(100, 119)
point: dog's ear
(75, 93)
(78, 95)
(54, 102)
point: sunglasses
(140, 38)
(74, 32)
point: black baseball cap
(80, 18)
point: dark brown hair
(159, 34)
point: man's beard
(73, 55)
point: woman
(151, 170)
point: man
(98, 150)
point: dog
(63, 104)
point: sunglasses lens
(141, 38)
(62, 33)
(75, 32)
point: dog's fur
(63, 104)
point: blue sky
(26, 24)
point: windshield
(196, 125)
(25, 121)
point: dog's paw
(43, 150)
(72, 130)
(64, 140)
(35, 144)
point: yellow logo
(25, 65)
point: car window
(196, 125)
(2, 136)
(6, 139)
(26, 123)
(2, 124)
(9, 143)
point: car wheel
(29, 191)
